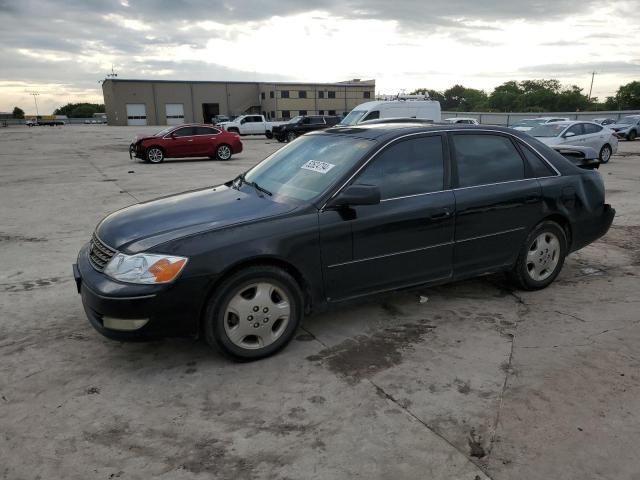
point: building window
(320, 112)
(271, 94)
(321, 94)
(284, 94)
(332, 112)
(302, 112)
(262, 95)
(286, 114)
(273, 114)
(264, 114)
(366, 94)
(331, 94)
(302, 94)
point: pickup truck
(302, 124)
(250, 125)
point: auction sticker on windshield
(316, 166)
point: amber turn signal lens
(165, 271)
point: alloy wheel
(224, 152)
(155, 155)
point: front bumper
(127, 311)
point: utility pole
(35, 94)
(593, 74)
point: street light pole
(35, 94)
(593, 74)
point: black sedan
(334, 215)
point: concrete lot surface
(467, 381)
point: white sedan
(580, 134)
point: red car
(196, 140)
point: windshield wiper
(259, 190)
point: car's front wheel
(605, 153)
(541, 257)
(291, 136)
(253, 313)
(155, 155)
(223, 152)
(632, 135)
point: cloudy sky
(62, 48)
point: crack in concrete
(314, 337)
(380, 391)
(115, 182)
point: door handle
(531, 199)
(446, 213)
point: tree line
(532, 96)
(71, 110)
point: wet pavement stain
(365, 355)
(29, 285)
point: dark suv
(302, 124)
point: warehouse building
(169, 102)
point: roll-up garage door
(136, 114)
(175, 113)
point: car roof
(382, 131)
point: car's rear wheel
(291, 136)
(223, 152)
(233, 130)
(632, 135)
(605, 153)
(155, 155)
(254, 313)
(541, 257)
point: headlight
(145, 268)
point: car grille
(99, 253)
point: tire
(223, 152)
(154, 155)
(605, 153)
(280, 139)
(632, 135)
(268, 134)
(232, 308)
(291, 136)
(540, 259)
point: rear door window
(407, 167)
(590, 128)
(372, 116)
(537, 166)
(206, 131)
(486, 159)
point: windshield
(627, 121)
(295, 119)
(528, 123)
(162, 133)
(306, 167)
(354, 117)
(547, 130)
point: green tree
(17, 112)
(506, 97)
(79, 110)
(464, 99)
(628, 96)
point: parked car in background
(581, 134)
(462, 120)
(408, 108)
(31, 122)
(220, 119)
(195, 140)
(335, 215)
(627, 127)
(250, 125)
(302, 124)
(605, 122)
(528, 123)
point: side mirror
(569, 134)
(355, 195)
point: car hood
(142, 136)
(523, 129)
(619, 126)
(144, 225)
